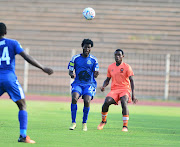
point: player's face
(118, 56)
(86, 49)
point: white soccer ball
(89, 13)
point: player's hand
(47, 70)
(134, 100)
(96, 73)
(72, 76)
(102, 88)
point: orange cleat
(26, 139)
(101, 125)
(125, 129)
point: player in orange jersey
(121, 86)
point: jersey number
(5, 56)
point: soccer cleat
(101, 125)
(125, 129)
(84, 126)
(73, 126)
(25, 139)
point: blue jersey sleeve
(96, 66)
(18, 47)
(71, 64)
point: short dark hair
(87, 41)
(120, 50)
(2, 29)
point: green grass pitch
(49, 122)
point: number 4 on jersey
(5, 56)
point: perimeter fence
(157, 76)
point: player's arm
(71, 74)
(132, 89)
(71, 68)
(35, 63)
(106, 82)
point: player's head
(86, 45)
(87, 41)
(2, 29)
(118, 55)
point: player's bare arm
(71, 74)
(132, 88)
(106, 82)
(35, 63)
(96, 73)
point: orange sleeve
(108, 72)
(130, 71)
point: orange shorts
(117, 94)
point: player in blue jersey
(8, 80)
(86, 70)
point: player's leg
(22, 116)
(125, 112)
(23, 122)
(16, 93)
(75, 97)
(76, 93)
(88, 93)
(108, 101)
(86, 109)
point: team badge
(89, 62)
(121, 70)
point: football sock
(23, 122)
(85, 114)
(104, 116)
(125, 120)
(73, 112)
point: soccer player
(121, 86)
(8, 80)
(86, 70)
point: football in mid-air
(89, 13)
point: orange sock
(125, 120)
(104, 116)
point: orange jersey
(120, 76)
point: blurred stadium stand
(147, 30)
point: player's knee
(75, 97)
(86, 102)
(108, 102)
(74, 100)
(124, 103)
(21, 104)
(23, 107)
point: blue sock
(85, 114)
(73, 112)
(23, 122)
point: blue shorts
(13, 88)
(84, 90)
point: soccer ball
(89, 13)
